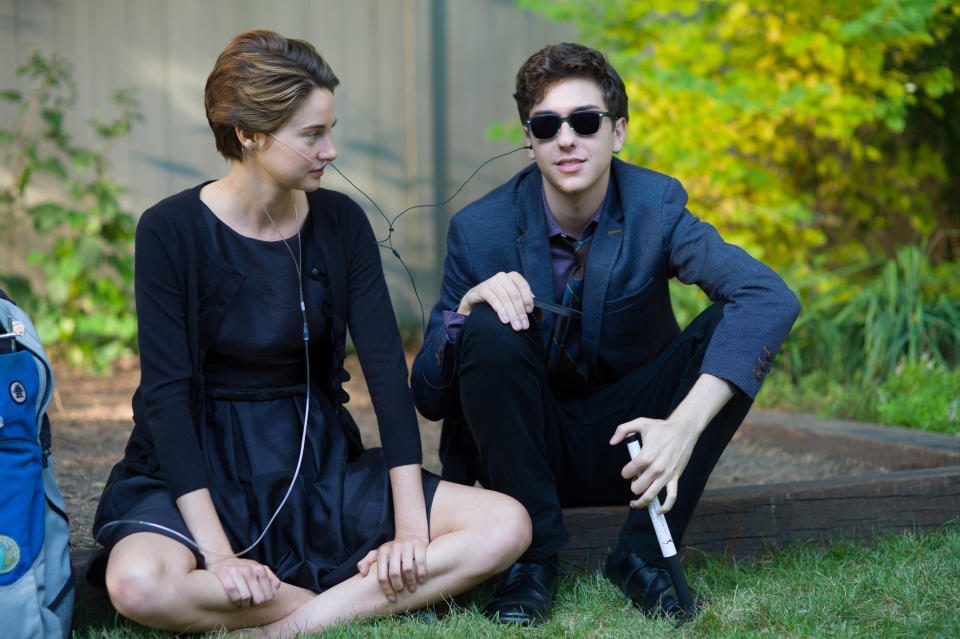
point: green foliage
(84, 310)
(818, 393)
(858, 331)
(687, 301)
(922, 395)
(883, 349)
(796, 125)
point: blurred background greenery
(823, 137)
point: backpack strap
(45, 435)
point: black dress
(340, 505)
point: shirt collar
(554, 230)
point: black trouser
(551, 452)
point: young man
(536, 404)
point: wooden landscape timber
(920, 492)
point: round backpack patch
(9, 554)
(18, 393)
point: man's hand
(508, 294)
(668, 443)
(401, 563)
(666, 449)
(246, 582)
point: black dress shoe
(647, 586)
(526, 594)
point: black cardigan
(183, 288)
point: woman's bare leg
(475, 534)
(154, 580)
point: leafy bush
(84, 308)
(924, 395)
(884, 349)
(858, 328)
(817, 393)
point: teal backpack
(36, 581)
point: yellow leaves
(831, 56)
(781, 116)
(685, 7)
(765, 131)
(737, 11)
(773, 32)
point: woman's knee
(135, 587)
(140, 577)
(514, 528)
(505, 530)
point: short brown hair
(568, 60)
(258, 82)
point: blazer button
(770, 354)
(758, 375)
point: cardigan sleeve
(165, 357)
(373, 327)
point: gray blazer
(645, 236)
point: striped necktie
(566, 366)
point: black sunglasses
(546, 126)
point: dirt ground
(92, 418)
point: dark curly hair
(568, 60)
(258, 82)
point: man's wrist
(704, 400)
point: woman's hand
(246, 582)
(401, 563)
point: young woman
(245, 289)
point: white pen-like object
(667, 547)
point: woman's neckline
(303, 217)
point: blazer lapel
(606, 242)
(533, 245)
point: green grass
(901, 586)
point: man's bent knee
(486, 339)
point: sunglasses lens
(544, 127)
(585, 122)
